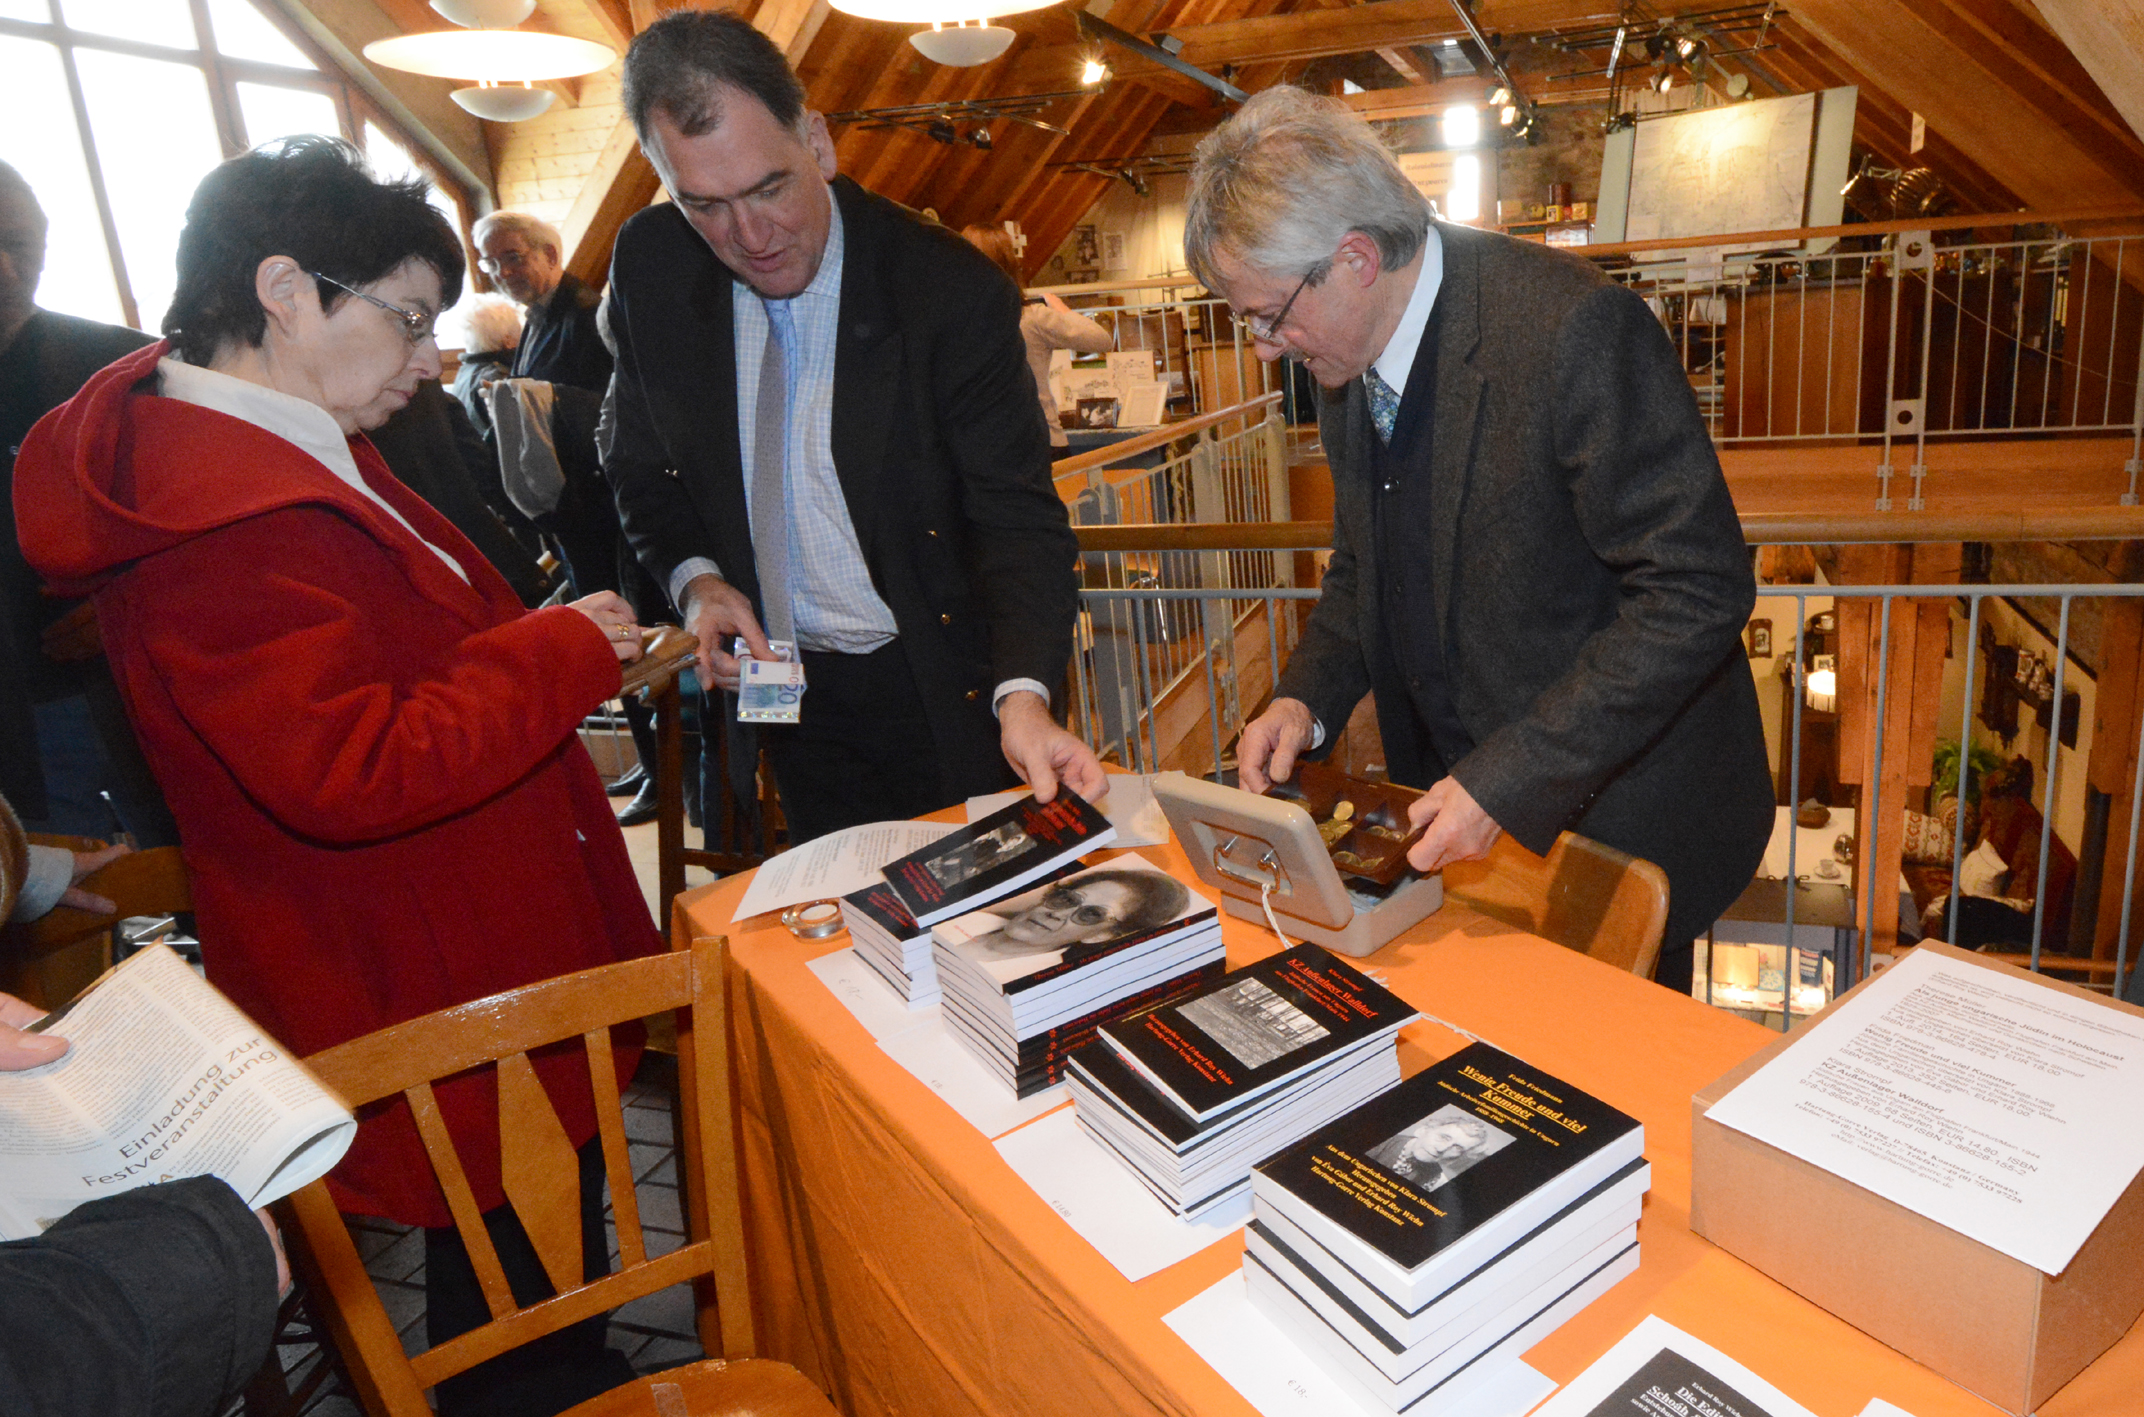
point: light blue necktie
(1384, 403)
(770, 438)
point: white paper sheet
(937, 1060)
(1879, 1408)
(833, 866)
(882, 1012)
(1989, 1103)
(1129, 804)
(1612, 1387)
(1104, 1202)
(1280, 1380)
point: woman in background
(1046, 323)
(371, 748)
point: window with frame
(113, 110)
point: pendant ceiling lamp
(503, 61)
(959, 34)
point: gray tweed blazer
(1590, 580)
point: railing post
(1279, 501)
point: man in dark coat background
(64, 739)
(1536, 565)
(908, 520)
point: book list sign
(1982, 1099)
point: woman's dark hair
(311, 199)
(676, 64)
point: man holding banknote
(826, 437)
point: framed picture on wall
(1758, 634)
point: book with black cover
(1029, 943)
(1042, 1059)
(1436, 1176)
(1257, 1029)
(985, 859)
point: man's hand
(717, 612)
(74, 637)
(85, 864)
(19, 1050)
(615, 619)
(1042, 751)
(1459, 830)
(1271, 743)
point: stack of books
(1017, 845)
(886, 937)
(1030, 979)
(1192, 1094)
(1424, 1240)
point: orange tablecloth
(897, 1259)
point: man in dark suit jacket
(928, 559)
(1536, 568)
(51, 668)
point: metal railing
(1891, 700)
(1887, 334)
(1149, 604)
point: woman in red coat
(370, 748)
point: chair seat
(750, 1387)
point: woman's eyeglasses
(416, 325)
(1067, 902)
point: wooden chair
(541, 1173)
(1585, 896)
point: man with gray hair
(1536, 565)
(826, 433)
(559, 342)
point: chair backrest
(1584, 895)
(539, 1169)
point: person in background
(1046, 324)
(1537, 569)
(64, 740)
(897, 519)
(491, 335)
(373, 749)
(34, 879)
(558, 343)
(562, 344)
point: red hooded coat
(374, 766)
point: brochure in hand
(164, 1078)
(985, 859)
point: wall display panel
(166, 22)
(78, 269)
(243, 32)
(149, 183)
(273, 112)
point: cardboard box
(1994, 1325)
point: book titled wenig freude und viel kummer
(1434, 1178)
(986, 859)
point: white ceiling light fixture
(959, 34)
(962, 44)
(1092, 71)
(503, 61)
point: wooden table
(897, 1259)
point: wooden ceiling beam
(1967, 88)
(1317, 34)
(2107, 39)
